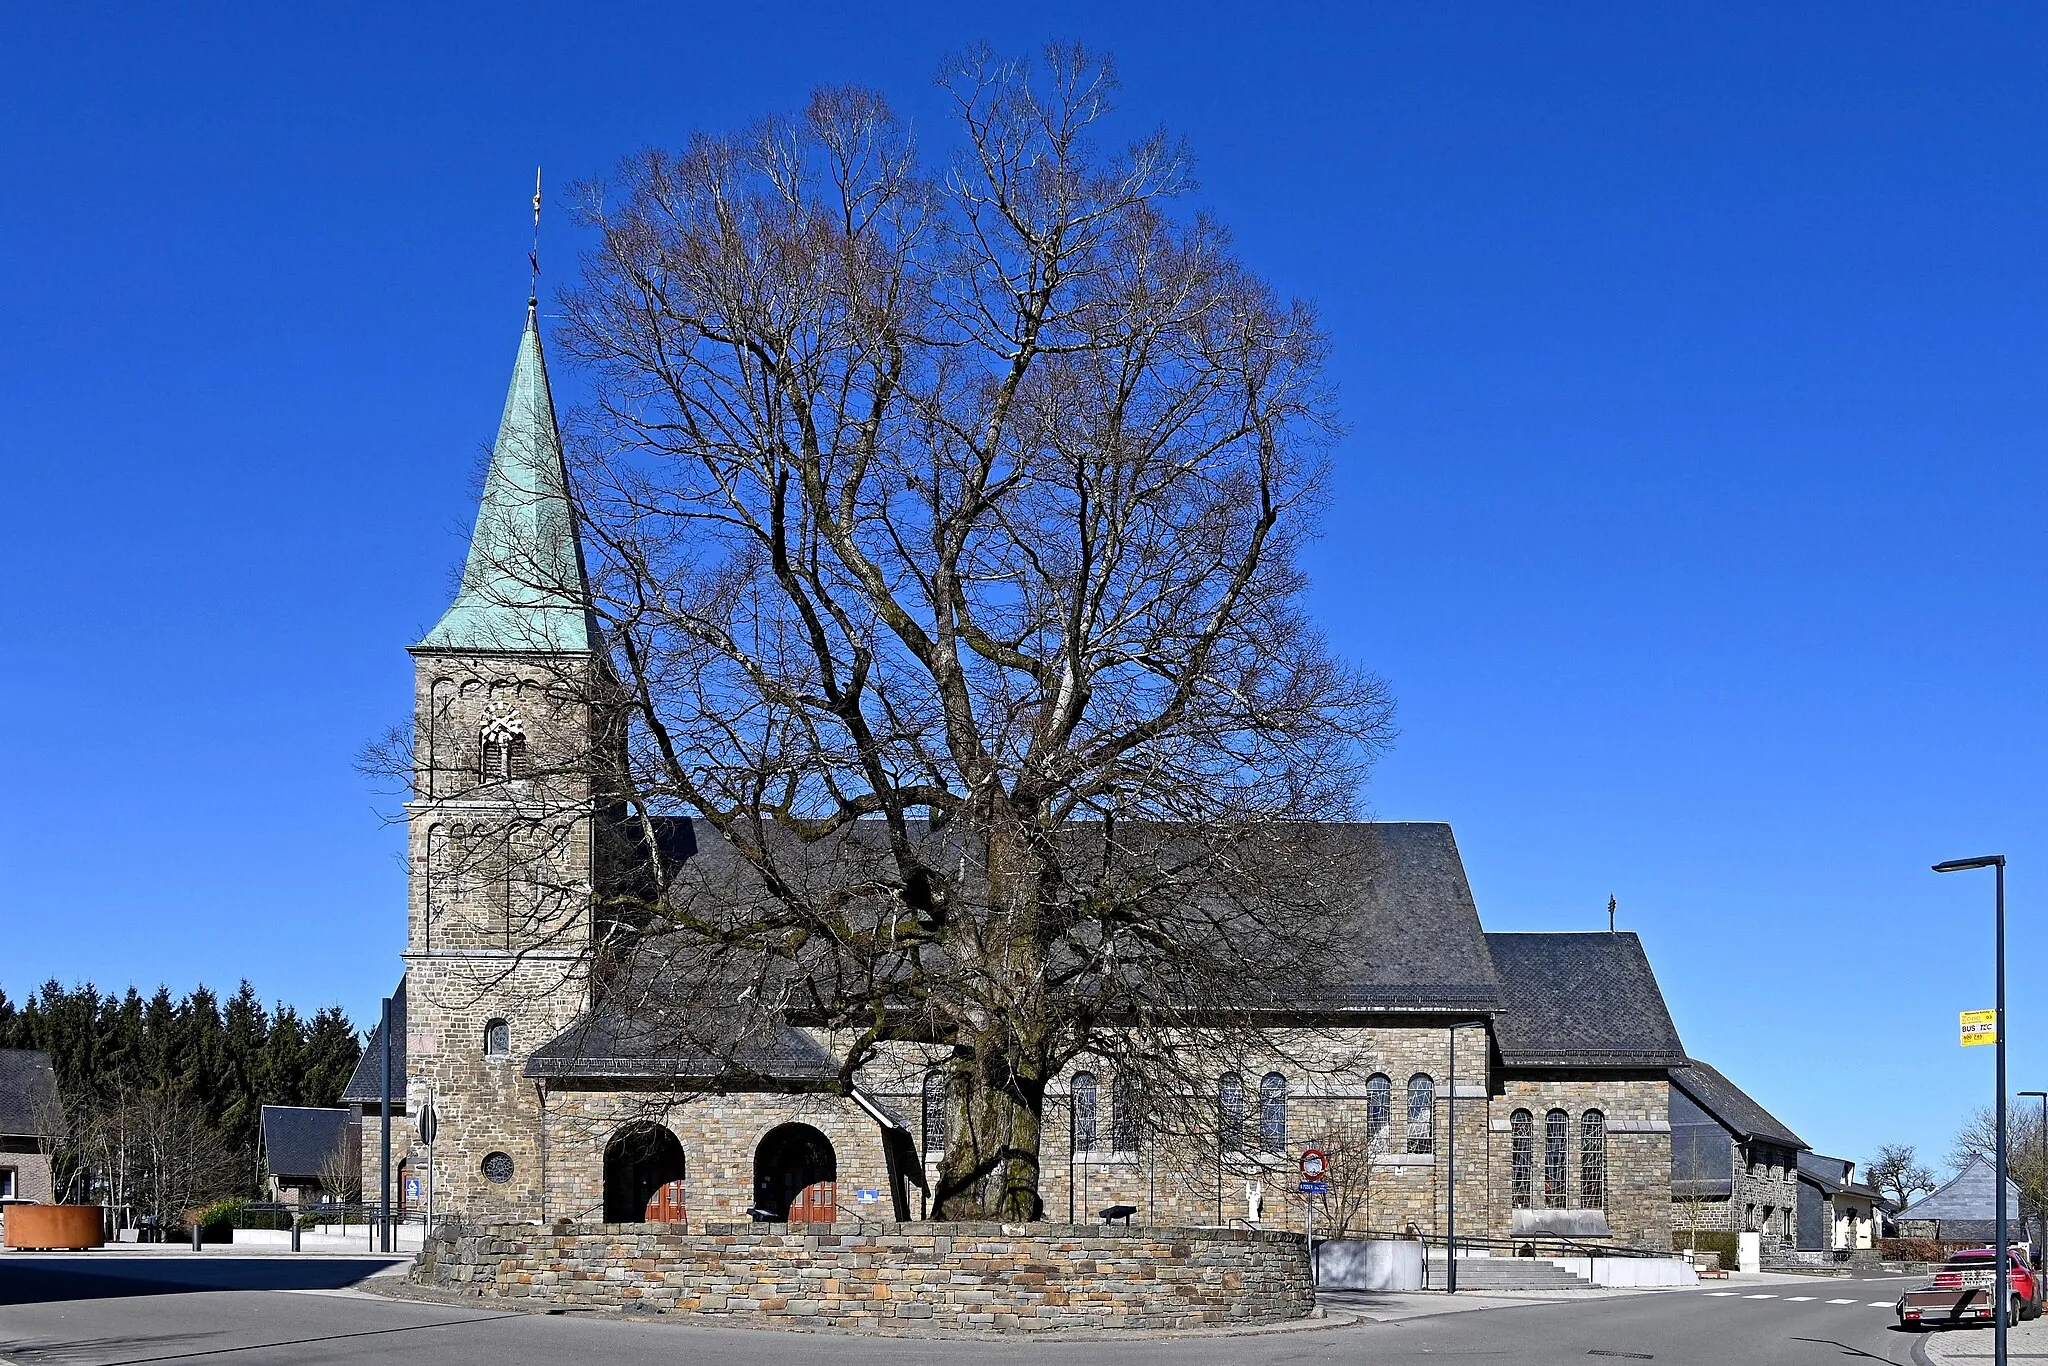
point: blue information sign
(1315, 1188)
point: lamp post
(1451, 1162)
(1998, 1280)
(2042, 1212)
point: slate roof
(1581, 1000)
(297, 1139)
(1729, 1104)
(1406, 930)
(28, 1093)
(1832, 1175)
(1398, 914)
(1968, 1196)
(683, 1043)
(365, 1084)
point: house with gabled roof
(310, 1151)
(1734, 1166)
(1965, 1208)
(555, 1103)
(1837, 1213)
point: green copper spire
(523, 586)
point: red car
(1961, 1292)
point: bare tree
(341, 1172)
(2026, 1154)
(1350, 1146)
(946, 525)
(1896, 1172)
(159, 1156)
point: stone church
(1537, 1066)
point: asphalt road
(113, 1311)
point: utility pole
(384, 1113)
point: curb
(1322, 1320)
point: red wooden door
(666, 1206)
(815, 1204)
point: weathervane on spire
(533, 257)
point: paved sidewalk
(2024, 1342)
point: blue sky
(1691, 356)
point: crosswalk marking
(1766, 1295)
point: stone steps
(1508, 1273)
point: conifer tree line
(203, 1065)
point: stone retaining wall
(987, 1277)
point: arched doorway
(643, 1176)
(796, 1175)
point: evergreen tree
(219, 1064)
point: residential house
(1837, 1213)
(302, 1146)
(1734, 1166)
(30, 1118)
(1964, 1210)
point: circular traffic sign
(1313, 1165)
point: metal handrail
(1577, 1247)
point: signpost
(1315, 1169)
(430, 1124)
(1979, 1027)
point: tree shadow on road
(46, 1282)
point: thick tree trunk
(991, 1168)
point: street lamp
(2042, 1213)
(1451, 1162)
(1996, 861)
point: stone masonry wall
(891, 1276)
(1638, 1113)
(720, 1134)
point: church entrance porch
(796, 1176)
(643, 1176)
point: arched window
(1379, 1112)
(1084, 1112)
(1230, 1113)
(502, 748)
(935, 1108)
(1592, 1160)
(497, 1039)
(1126, 1117)
(1421, 1114)
(1556, 1127)
(1273, 1113)
(1522, 1159)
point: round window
(498, 1168)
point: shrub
(1723, 1243)
(1914, 1249)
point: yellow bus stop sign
(1979, 1026)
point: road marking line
(1759, 1297)
(1887, 1304)
(1797, 1299)
(1841, 1301)
(1723, 1294)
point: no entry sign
(1314, 1166)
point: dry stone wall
(883, 1277)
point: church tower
(502, 827)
